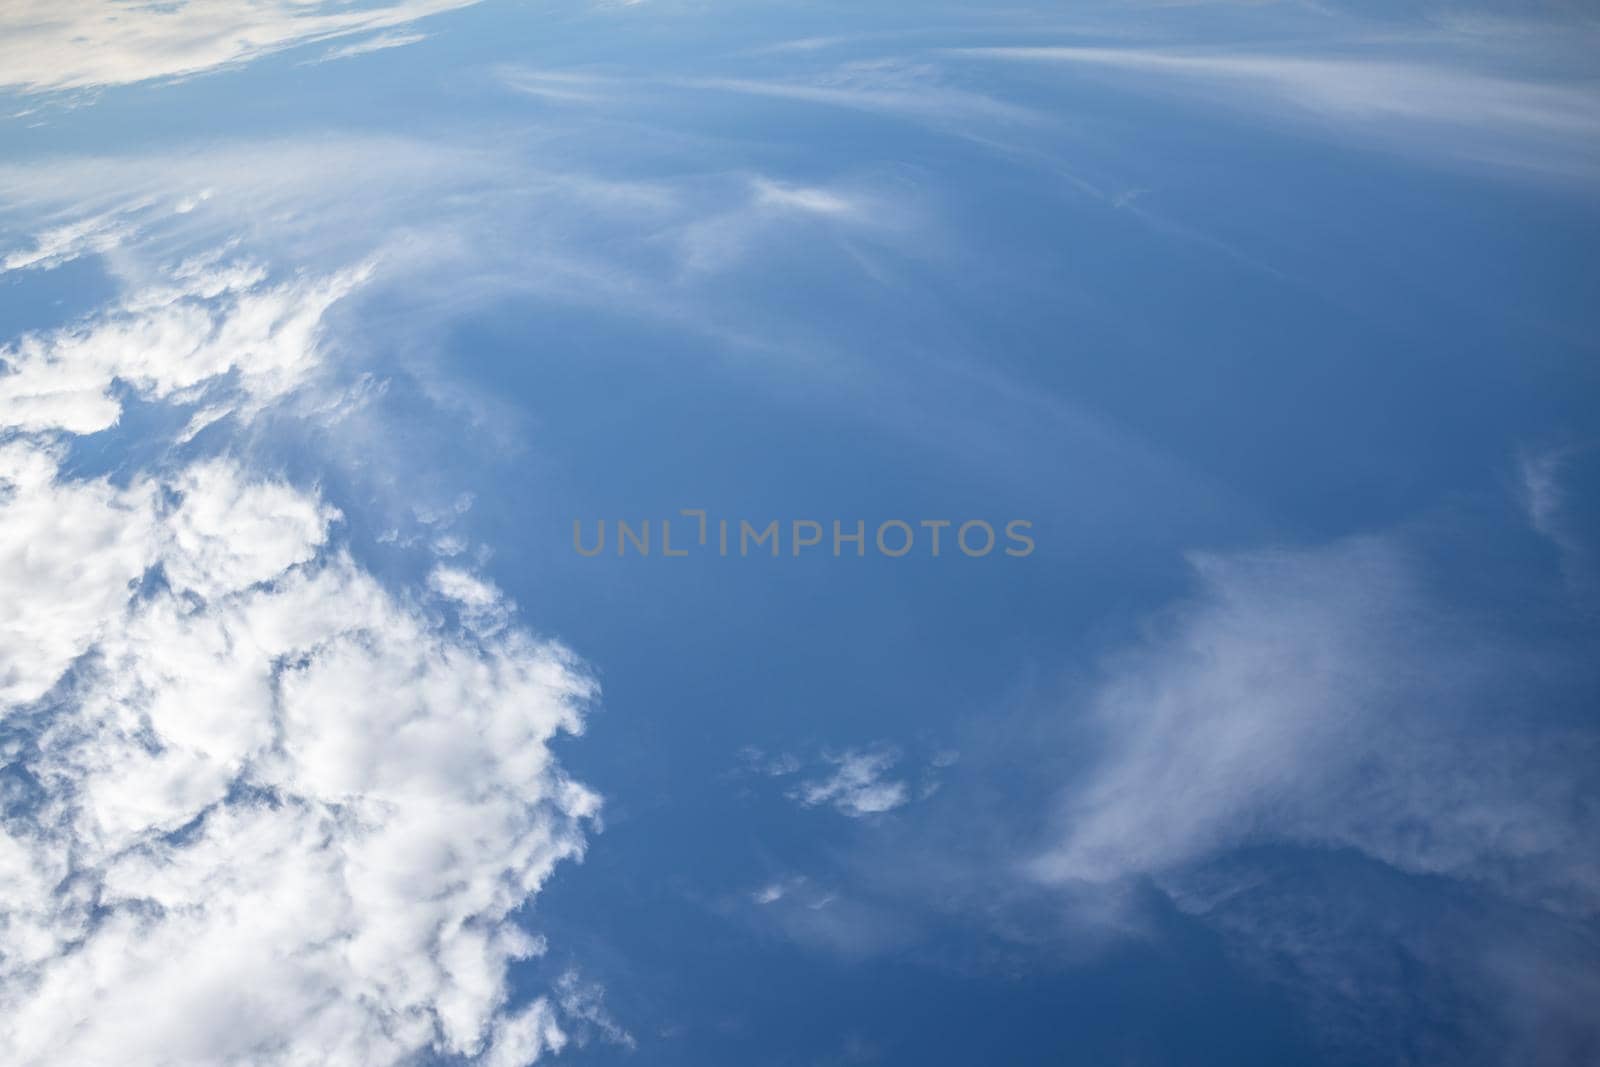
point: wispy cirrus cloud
(888, 87)
(377, 43)
(1439, 105)
(1324, 698)
(1369, 786)
(1547, 499)
(68, 241)
(896, 87)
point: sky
(1262, 337)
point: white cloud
(858, 784)
(523, 1038)
(202, 321)
(271, 811)
(893, 88)
(81, 44)
(801, 198)
(583, 1006)
(226, 535)
(52, 247)
(564, 87)
(446, 212)
(1323, 698)
(68, 554)
(479, 603)
(856, 781)
(297, 815)
(377, 43)
(1441, 106)
(722, 239)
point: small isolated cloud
(797, 890)
(858, 785)
(801, 198)
(857, 782)
(769, 894)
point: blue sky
(322, 323)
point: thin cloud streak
(381, 42)
(1547, 126)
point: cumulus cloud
(200, 322)
(258, 806)
(82, 44)
(479, 603)
(69, 554)
(300, 813)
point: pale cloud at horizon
(86, 44)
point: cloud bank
(257, 806)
